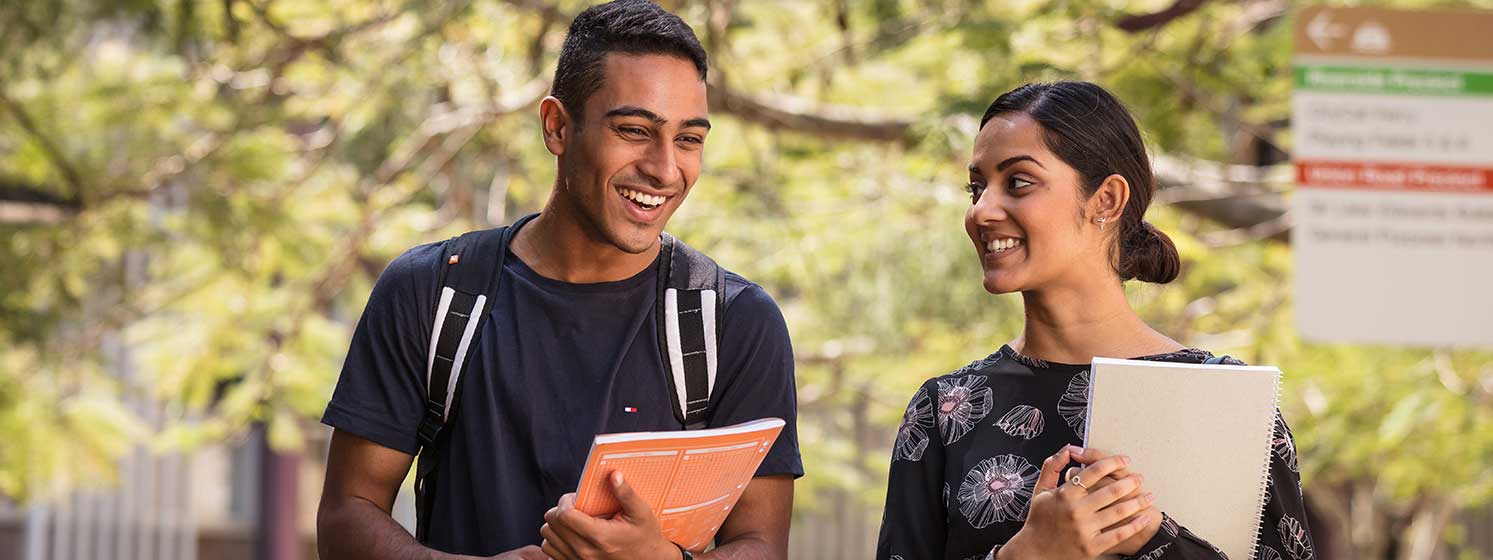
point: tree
(195, 199)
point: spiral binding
(1264, 490)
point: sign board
(1392, 125)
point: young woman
(1059, 186)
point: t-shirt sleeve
(755, 376)
(380, 392)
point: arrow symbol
(1321, 30)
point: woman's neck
(1074, 324)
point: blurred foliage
(233, 176)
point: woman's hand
(1080, 521)
(1132, 545)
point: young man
(569, 349)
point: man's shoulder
(745, 294)
(416, 265)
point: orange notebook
(691, 479)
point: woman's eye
(1016, 183)
(974, 190)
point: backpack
(687, 315)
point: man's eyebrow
(630, 111)
(698, 122)
(1013, 159)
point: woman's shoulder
(1193, 356)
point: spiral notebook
(691, 479)
(1201, 434)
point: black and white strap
(689, 330)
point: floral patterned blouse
(972, 442)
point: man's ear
(556, 123)
(1108, 202)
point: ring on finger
(1077, 481)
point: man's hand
(530, 552)
(632, 533)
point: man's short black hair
(623, 26)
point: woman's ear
(556, 123)
(1108, 202)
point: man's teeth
(1002, 245)
(642, 198)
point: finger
(633, 506)
(1123, 509)
(567, 501)
(573, 530)
(532, 552)
(553, 545)
(1113, 537)
(1048, 479)
(1103, 497)
(1113, 464)
(1091, 454)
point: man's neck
(560, 246)
(1073, 324)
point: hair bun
(1148, 255)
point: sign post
(1392, 123)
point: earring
(1101, 221)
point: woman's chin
(1001, 282)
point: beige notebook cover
(1201, 435)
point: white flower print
(1028, 361)
(986, 556)
(1267, 553)
(1284, 447)
(962, 401)
(1074, 404)
(997, 489)
(912, 435)
(1155, 554)
(1022, 421)
(1294, 539)
(980, 364)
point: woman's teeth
(648, 201)
(1002, 245)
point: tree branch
(48, 147)
(25, 204)
(783, 113)
(1154, 20)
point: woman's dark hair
(1090, 130)
(623, 26)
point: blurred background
(196, 196)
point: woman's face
(1028, 219)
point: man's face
(637, 152)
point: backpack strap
(689, 308)
(471, 265)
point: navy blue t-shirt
(556, 364)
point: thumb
(632, 504)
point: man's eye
(632, 131)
